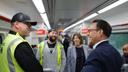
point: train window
(118, 40)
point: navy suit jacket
(105, 58)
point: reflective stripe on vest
(41, 47)
(8, 61)
(10, 57)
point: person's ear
(16, 25)
(100, 31)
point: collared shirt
(94, 47)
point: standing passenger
(125, 58)
(104, 57)
(16, 54)
(66, 43)
(51, 53)
(76, 55)
(125, 53)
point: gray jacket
(71, 58)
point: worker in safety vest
(51, 53)
(16, 54)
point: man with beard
(104, 57)
(51, 53)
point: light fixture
(45, 19)
(119, 2)
(40, 7)
(79, 22)
(90, 16)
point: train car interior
(69, 16)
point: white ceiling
(62, 13)
(73, 9)
(11, 7)
(115, 16)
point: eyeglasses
(90, 30)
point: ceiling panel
(63, 13)
(9, 8)
(115, 16)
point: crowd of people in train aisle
(59, 52)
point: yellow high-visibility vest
(59, 46)
(8, 62)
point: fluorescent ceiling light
(79, 22)
(90, 16)
(70, 27)
(39, 5)
(112, 6)
(45, 19)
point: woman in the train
(76, 55)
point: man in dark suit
(104, 57)
(66, 43)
